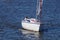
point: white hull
(30, 26)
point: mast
(39, 7)
(41, 3)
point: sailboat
(33, 24)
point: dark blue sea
(13, 11)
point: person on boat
(27, 19)
(31, 20)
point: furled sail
(39, 6)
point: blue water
(13, 11)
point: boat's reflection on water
(30, 35)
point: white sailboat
(33, 23)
